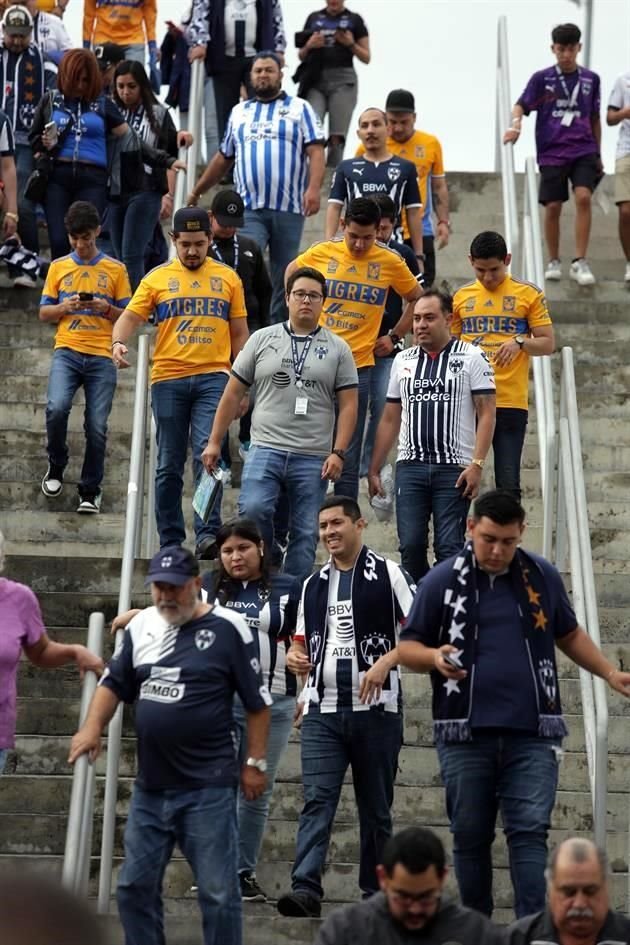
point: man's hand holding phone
(447, 662)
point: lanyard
(215, 249)
(299, 357)
(572, 98)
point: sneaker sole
(583, 283)
(88, 511)
(259, 897)
(554, 277)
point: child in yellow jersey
(510, 321)
(201, 322)
(359, 272)
(84, 294)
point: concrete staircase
(73, 565)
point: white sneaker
(626, 278)
(25, 282)
(90, 505)
(580, 271)
(553, 272)
(227, 478)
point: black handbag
(37, 183)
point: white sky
(445, 52)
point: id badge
(301, 405)
(567, 119)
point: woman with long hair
(268, 603)
(133, 220)
(74, 124)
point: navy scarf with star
(453, 700)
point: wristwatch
(520, 340)
(260, 763)
(478, 462)
(395, 338)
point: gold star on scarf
(540, 621)
(534, 597)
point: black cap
(400, 100)
(172, 565)
(191, 220)
(228, 208)
(108, 54)
(17, 19)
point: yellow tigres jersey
(423, 150)
(125, 22)
(489, 319)
(193, 309)
(357, 291)
(106, 278)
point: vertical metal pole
(588, 33)
(114, 731)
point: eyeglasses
(422, 899)
(301, 295)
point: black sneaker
(299, 905)
(90, 504)
(206, 550)
(250, 890)
(52, 483)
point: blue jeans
(27, 227)
(379, 382)
(424, 490)
(264, 473)
(69, 182)
(203, 824)
(369, 742)
(68, 371)
(507, 443)
(131, 227)
(252, 815)
(348, 482)
(136, 52)
(183, 409)
(518, 776)
(282, 232)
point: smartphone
(86, 296)
(451, 660)
(51, 131)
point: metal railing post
(114, 730)
(76, 859)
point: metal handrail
(76, 859)
(504, 154)
(133, 518)
(574, 535)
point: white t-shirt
(620, 98)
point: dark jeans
(507, 443)
(424, 490)
(69, 371)
(518, 776)
(27, 227)
(203, 824)
(369, 742)
(131, 227)
(282, 232)
(69, 182)
(348, 482)
(227, 88)
(183, 409)
(379, 382)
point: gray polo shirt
(267, 360)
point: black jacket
(540, 928)
(371, 923)
(254, 276)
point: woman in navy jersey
(269, 605)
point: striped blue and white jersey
(267, 141)
(436, 396)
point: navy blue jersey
(271, 613)
(358, 177)
(182, 681)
